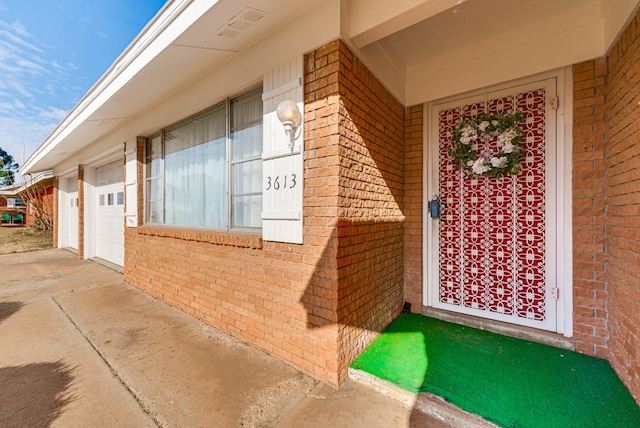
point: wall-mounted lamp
(291, 118)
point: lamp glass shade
(288, 111)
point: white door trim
(560, 202)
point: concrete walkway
(81, 348)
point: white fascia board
(162, 30)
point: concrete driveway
(80, 347)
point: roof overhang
(421, 50)
(426, 50)
(39, 181)
(184, 41)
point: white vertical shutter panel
(282, 168)
(131, 183)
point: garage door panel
(109, 210)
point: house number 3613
(281, 182)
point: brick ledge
(232, 239)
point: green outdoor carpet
(511, 382)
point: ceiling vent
(241, 22)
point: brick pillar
(55, 218)
(413, 182)
(81, 211)
(589, 140)
(354, 161)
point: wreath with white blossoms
(466, 154)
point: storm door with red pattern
(495, 235)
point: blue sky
(51, 53)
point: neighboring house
(12, 208)
(308, 242)
(3, 207)
(15, 203)
(32, 199)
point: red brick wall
(370, 197)
(250, 289)
(54, 202)
(315, 305)
(623, 206)
(589, 140)
(44, 195)
(606, 203)
(413, 179)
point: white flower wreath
(466, 155)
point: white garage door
(71, 208)
(110, 213)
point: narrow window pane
(247, 142)
(246, 125)
(154, 211)
(247, 177)
(102, 200)
(120, 198)
(110, 199)
(153, 178)
(246, 149)
(247, 211)
(154, 201)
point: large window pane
(194, 167)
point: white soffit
(473, 21)
(428, 41)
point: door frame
(561, 169)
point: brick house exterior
(318, 304)
(37, 194)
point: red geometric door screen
(492, 231)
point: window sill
(231, 239)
